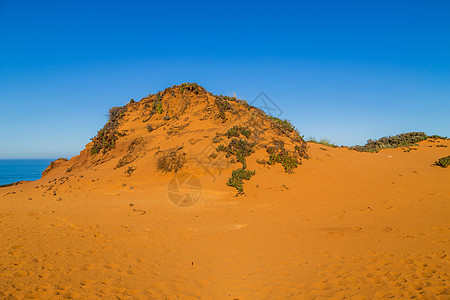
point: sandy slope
(345, 225)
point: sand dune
(345, 224)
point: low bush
(283, 157)
(105, 140)
(237, 130)
(192, 87)
(115, 114)
(222, 105)
(239, 148)
(443, 162)
(171, 161)
(158, 105)
(283, 125)
(435, 136)
(130, 170)
(237, 178)
(400, 140)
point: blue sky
(343, 70)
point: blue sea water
(13, 170)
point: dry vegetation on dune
(175, 108)
(401, 140)
(443, 162)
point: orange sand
(345, 225)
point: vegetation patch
(223, 105)
(239, 148)
(283, 125)
(130, 171)
(237, 178)
(284, 157)
(435, 136)
(158, 105)
(107, 136)
(400, 140)
(115, 114)
(443, 162)
(105, 140)
(192, 87)
(237, 130)
(172, 160)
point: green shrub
(283, 157)
(401, 140)
(107, 136)
(192, 87)
(237, 130)
(238, 148)
(237, 177)
(283, 125)
(105, 140)
(435, 136)
(158, 106)
(222, 105)
(443, 162)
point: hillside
(185, 128)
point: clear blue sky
(343, 70)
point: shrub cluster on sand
(237, 177)
(288, 159)
(238, 148)
(282, 125)
(192, 87)
(223, 106)
(173, 160)
(107, 136)
(400, 140)
(443, 162)
(237, 130)
(105, 140)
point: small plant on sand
(283, 157)
(283, 125)
(171, 161)
(158, 105)
(435, 136)
(130, 171)
(105, 140)
(239, 148)
(443, 162)
(107, 136)
(223, 105)
(237, 177)
(237, 130)
(192, 87)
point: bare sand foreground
(345, 225)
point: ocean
(13, 170)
